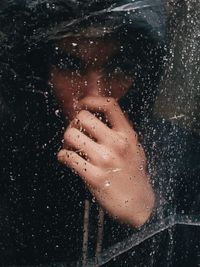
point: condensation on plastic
(177, 102)
(141, 236)
(179, 92)
(152, 12)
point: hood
(56, 19)
(29, 27)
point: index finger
(109, 107)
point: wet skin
(105, 153)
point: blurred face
(86, 67)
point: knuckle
(68, 134)
(97, 179)
(61, 155)
(122, 145)
(82, 114)
(105, 158)
(96, 176)
(110, 102)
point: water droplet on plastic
(141, 168)
(107, 183)
(57, 112)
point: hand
(110, 160)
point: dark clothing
(177, 246)
(43, 202)
(171, 237)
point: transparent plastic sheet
(114, 16)
(149, 14)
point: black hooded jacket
(42, 202)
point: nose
(94, 85)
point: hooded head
(48, 38)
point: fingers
(109, 107)
(85, 169)
(90, 124)
(76, 140)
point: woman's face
(83, 69)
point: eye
(67, 62)
(120, 65)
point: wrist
(145, 211)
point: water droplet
(107, 183)
(57, 112)
(141, 168)
(44, 145)
(12, 177)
